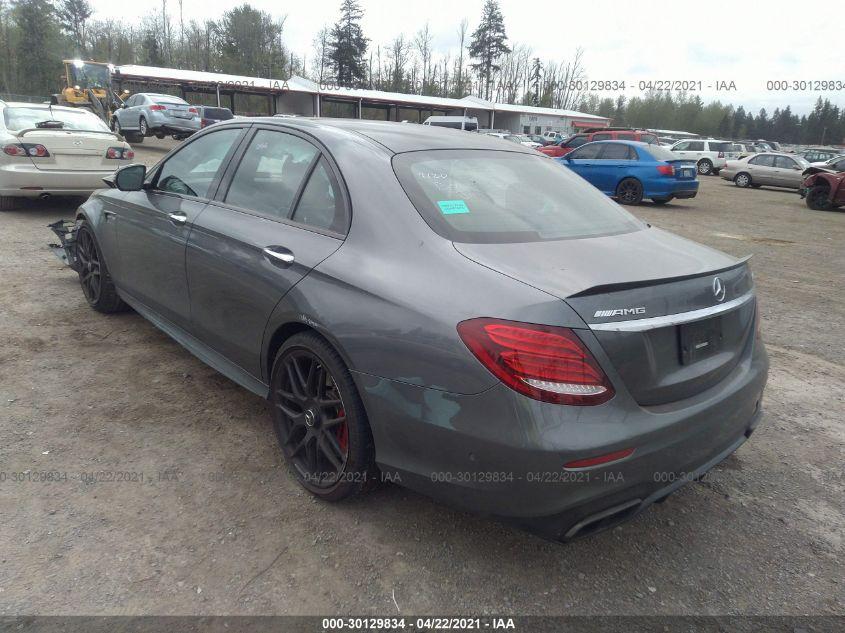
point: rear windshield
(24, 118)
(484, 196)
(220, 114)
(169, 101)
(661, 153)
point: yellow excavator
(88, 85)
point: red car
(597, 134)
(824, 187)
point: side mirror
(130, 178)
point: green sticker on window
(450, 207)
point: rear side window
(696, 146)
(321, 205)
(721, 147)
(617, 151)
(271, 172)
(192, 169)
(784, 162)
(602, 136)
(625, 136)
(496, 196)
(648, 138)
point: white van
(456, 122)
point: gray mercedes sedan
(449, 311)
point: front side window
(576, 141)
(270, 173)
(680, 147)
(504, 197)
(193, 168)
(763, 160)
(588, 152)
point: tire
(133, 137)
(94, 277)
(159, 135)
(705, 167)
(818, 198)
(7, 203)
(743, 180)
(311, 388)
(629, 191)
(716, 172)
(143, 128)
(115, 125)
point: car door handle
(178, 218)
(279, 255)
(108, 214)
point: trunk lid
(684, 169)
(72, 150)
(691, 331)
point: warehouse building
(303, 97)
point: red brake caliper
(342, 432)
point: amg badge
(619, 312)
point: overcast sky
(747, 42)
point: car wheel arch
(285, 331)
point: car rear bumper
(173, 125)
(502, 454)
(671, 189)
(26, 181)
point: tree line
(35, 35)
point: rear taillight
(157, 107)
(120, 153)
(540, 361)
(193, 110)
(666, 170)
(26, 149)
(205, 122)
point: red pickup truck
(596, 134)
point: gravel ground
(209, 522)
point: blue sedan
(630, 171)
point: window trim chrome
(640, 325)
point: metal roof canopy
(209, 82)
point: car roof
(396, 137)
(619, 142)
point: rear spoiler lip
(628, 285)
(21, 133)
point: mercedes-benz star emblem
(719, 290)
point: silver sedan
(768, 168)
(148, 114)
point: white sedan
(52, 150)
